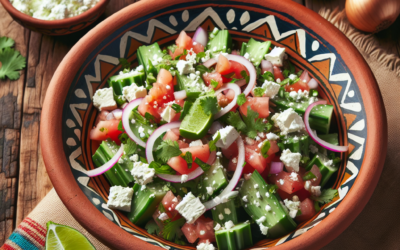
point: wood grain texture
(11, 96)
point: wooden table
(23, 178)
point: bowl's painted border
(338, 72)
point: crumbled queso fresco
(53, 9)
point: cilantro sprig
(210, 105)
(11, 61)
(326, 196)
(167, 149)
(162, 168)
(250, 125)
(241, 99)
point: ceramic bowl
(56, 27)
(311, 42)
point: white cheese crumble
(307, 185)
(276, 56)
(227, 211)
(267, 208)
(291, 160)
(316, 190)
(245, 198)
(221, 216)
(288, 121)
(228, 136)
(142, 173)
(261, 219)
(120, 198)
(134, 158)
(217, 227)
(209, 190)
(272, 137)
(264, 229)
(53, 9)
(205, 246)
(185, 67)
(103, 99)
(271, 88)
(133, 92)
(313, 149)
(184, 178)
(195, 143)
(229, 224)
(294, 176)
(292, 206)
(190, 208)
(163, 217)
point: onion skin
(372, 15)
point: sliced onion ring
(235, 179)
(320, 142)
(244, 62)
(232, 104)
(193, 175)
(108, 165)
(180, 95)
(126, 113)
(154, 136)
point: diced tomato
(254, 158)
(302, 84)
(204, 228)
(180, 165)
(231, 151)
(164, 77)
(106, 129)
(278, 73)
(169, 203)
(171, 135)
(274, 148)
(315, 170)
(182, 144)
(258, 104)
(237, 68)
(223, 65)
(184, 41)
(288, 184)
(189, 230)
(145, 107)
(302, 194)
(178, 51)
(197, 48)
(207, 77)
(307, 210)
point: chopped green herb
(183, 54)
(210, 105)
(241, 99)
(253, 123)
(309, 176)
(152, 227)
(121, 127)
(286, 73)
(176, 107)
(188, 158)
(245, 76)
(202, 69)
(11, 63)
(214, 83)
(236, 121)
(264, 148)
(6, 42)
(123, 138)
(103, 129)
(173, 229)
(212, 143)
(130, 147)
(161, 168)
(200, 55)
(269, 76)
(168, 149)
(258, 92)
(202, 164)
(326, 196)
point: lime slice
(60, 237)
(196, 123)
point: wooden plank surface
(23, 178)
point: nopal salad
(214, 143)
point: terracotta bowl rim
(110, 234)
(52, 23)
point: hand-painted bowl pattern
(305, 47)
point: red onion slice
(244, 62)
(232, 104)
(313, 84)
(235, 179)
(305, 77)
(320, 142)
(126, 113)
(276, 167)
(193, 175)
(180, 95)
(154, 136)
(108, 165)
(266, 66)
(215, 127)
(201, 36)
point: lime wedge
(196, 123)
(60, 237)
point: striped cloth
(29, 235)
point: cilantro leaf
(286, 73)
(309, 176)
(214, 83)
(245, 76)
(121, 127)
(173, 229)
(258, 92)
(176, 107)
(152, 227)
(130, 147)
(253, 123)
(161, 168)
(200, 55)
(168, 149)
(202, 164)
(125, 64)
(188, 158)
(210, 105)
(123, 138)
(269, 76)
(264, 148)
(212, 143)
(11, 62)
(241, 99)
(202, 69)
(326, 196)
(6, 42)
(236, 121)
